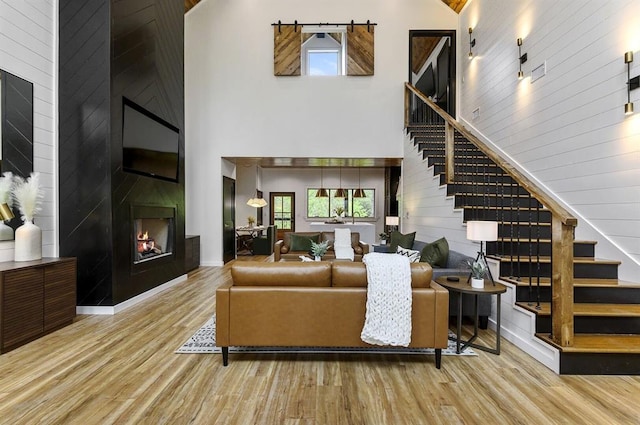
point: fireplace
(153, 233)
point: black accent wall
(110, 49)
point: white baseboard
(212, 263)
(111, 310)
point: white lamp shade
(392, 221)
(257, 202)
(486, 231)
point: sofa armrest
(222, 314)
(364, 246)
(277, 247)
(442, 312)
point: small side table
(462, 287)
(380, 248)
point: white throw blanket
(342, 245)
(388, 316)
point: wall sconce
(632, 83)
(5, 212)
(472, 43)
(521, 58)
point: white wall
(568, 129)
(28, 49)
(236, 107)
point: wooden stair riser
(595, 324)
(491, 200)
(464, 159)
(583, 294)
(572, 363)
(526, 248)
(499, 189)
(490, 178)
(594, 270)
(503, 215)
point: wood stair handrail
(556, 209)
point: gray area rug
(204, 342)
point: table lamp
(482, 231)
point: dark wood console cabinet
(36, 298)
(191, 252)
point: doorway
(228, 219)
(432, 66)
(283, 212)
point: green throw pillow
(436, 253)
(398, 239)
(303, 242)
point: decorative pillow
(436, 253)
(398, 239)
(414, 256)
(303, 242)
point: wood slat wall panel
(360, 50)
(286, 50)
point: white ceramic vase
(318, 258)
(6, 232)
(28, 244)
(477, 283)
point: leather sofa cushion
(348, 274)
(315, 274)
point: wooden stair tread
(543, 259)
(599, 343)
(588, 309)
(577, 282)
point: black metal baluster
(530, 241)
(511, 242)
(518, 233)
(538, 255)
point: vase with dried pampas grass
(6, 187)
(28, 196)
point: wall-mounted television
(150, 145)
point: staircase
(596, 318)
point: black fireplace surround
(112, 49)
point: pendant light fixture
(322, 192)
(340, 193)
(359, 193)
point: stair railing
(562, 222)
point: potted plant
(383, 238)
(251, 220)
(478, 272)
(319, 249)
(339, 213)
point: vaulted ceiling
(456, 5)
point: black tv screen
(150, 145)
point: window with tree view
(332, 206)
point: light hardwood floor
(122, 370)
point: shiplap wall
(28, 48)
(567, 129)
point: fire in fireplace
(153, 238)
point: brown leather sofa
(282, 250)
(317, 304)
